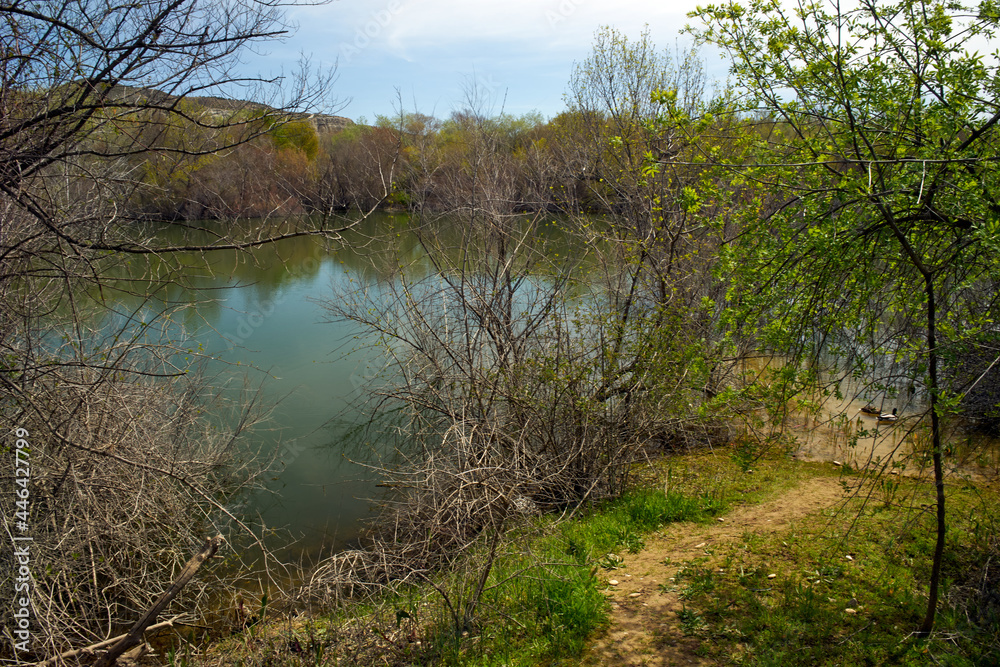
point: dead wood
(169, 623)
(134, 636)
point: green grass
(543, 601)
(849, 589)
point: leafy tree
(876, 156)
(296, 135)
(639, 158)
(613, 96)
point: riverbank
(701, 563)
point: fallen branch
(169, 623)
(134, 636)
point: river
(255, 321)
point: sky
(520, 53)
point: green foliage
(874, 239)
(878, 174)
(298, 135)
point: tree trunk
(928, 625)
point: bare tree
(517, 383)
(130, 470)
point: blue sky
(520, 52)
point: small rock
(837, 463)
(720, 519)
(612, 582)
(893, 472)
(699, 546)
(634, 595)
(849, 557)
(771, 576)
(850, 611)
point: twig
(134, 635)
(103, 644)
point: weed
(691, 621)
(611, 562)
(631, 540)
(701, 581)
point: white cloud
(406, 27)
(430, 46)
(526, 23)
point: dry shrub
(346, 575)
(127, 480)
(444, 501)
(510, 389)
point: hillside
(224, 107)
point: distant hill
(219, 106)
(325, 123)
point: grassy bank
(849, 588)
(538, 596)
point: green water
(257, 318)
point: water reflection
(259, 314)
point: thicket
(531, 366)
(131, 457)
(836, 209)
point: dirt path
(645, 628)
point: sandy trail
(645, 628)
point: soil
(645, 628)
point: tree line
(589, 158)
